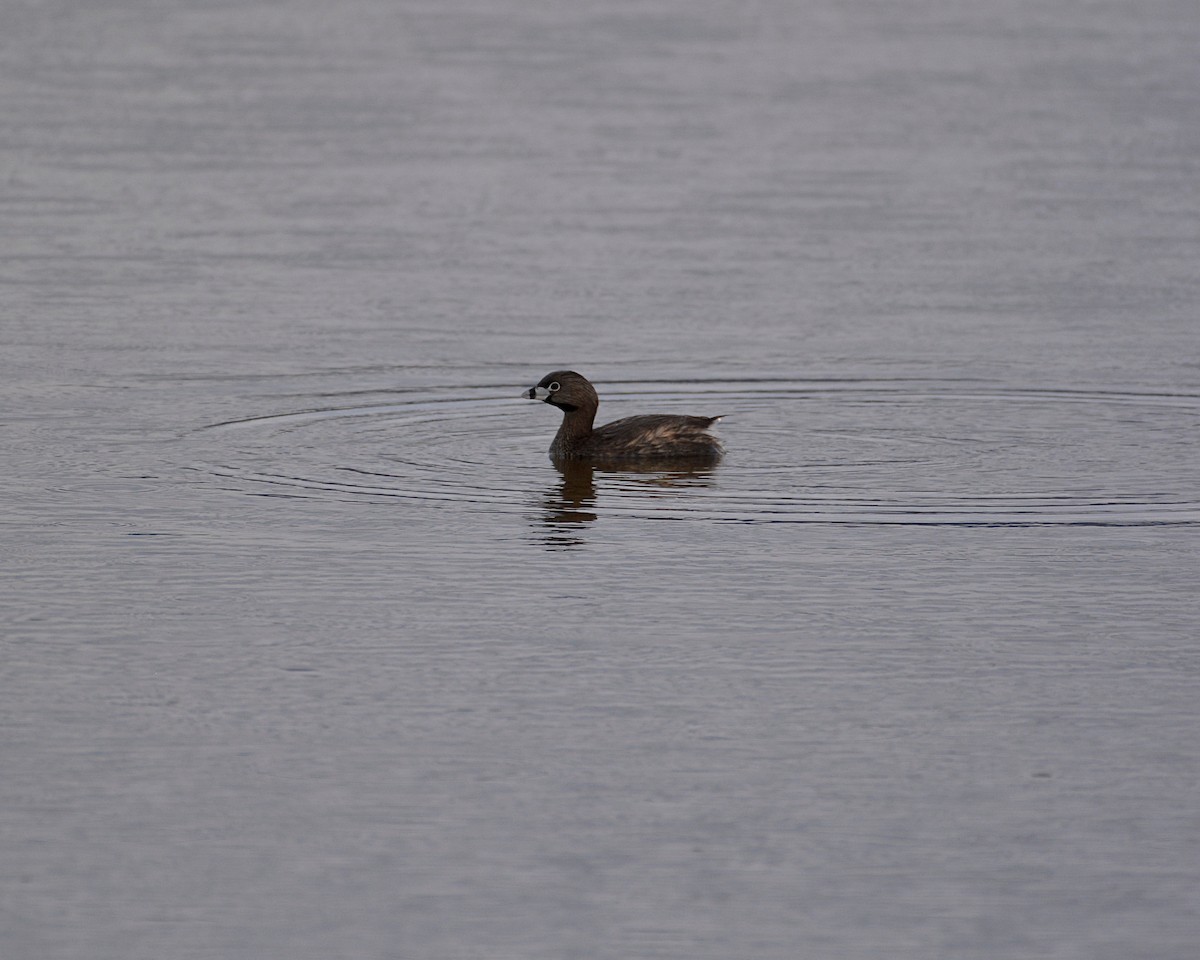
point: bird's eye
(553, 388)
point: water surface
(309, 651)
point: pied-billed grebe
(655, 436)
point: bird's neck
(576, 427)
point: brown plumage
(655, 436)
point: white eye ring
(553, 388)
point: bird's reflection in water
(570, 505)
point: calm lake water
(310, 652)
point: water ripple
(800, 451)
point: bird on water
(653, 436)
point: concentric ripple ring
(799, 451)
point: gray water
(310, 652)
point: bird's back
(655, 435)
